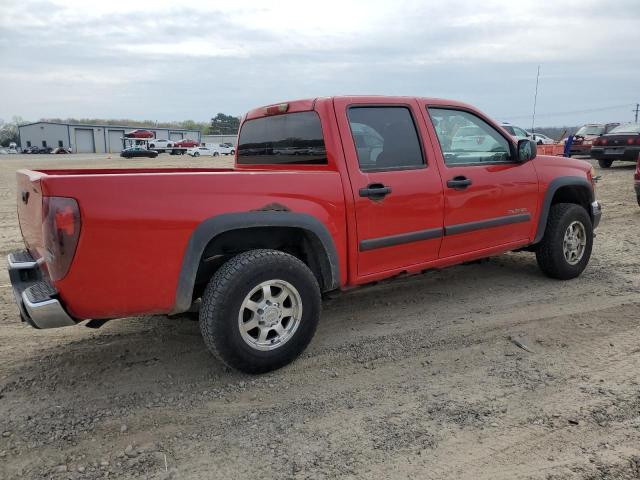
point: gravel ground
(414, 378)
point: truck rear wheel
(566, 246)
(605, 163)
(260, 310)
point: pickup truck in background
(326, 194)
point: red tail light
(638, 141)
(604, 141)
(629, 141)
(60, 231)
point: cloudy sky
(169, 60)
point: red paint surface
(136, 223)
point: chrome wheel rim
(270, 315)
(574, 243)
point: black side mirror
(527, 150)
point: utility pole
(636, 110)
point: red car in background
(140, 134)
(586, 134)
(636, 178)
(187, 143)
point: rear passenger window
(293, 138)
(467, 139)
(385, 138)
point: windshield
(590, 130)
(628, 128)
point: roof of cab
(305, 105)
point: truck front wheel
(566, 246)
(260, 310)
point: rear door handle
(375, 191)
(459, 183)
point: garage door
(84, 141)
(115, 140)
(175, 136)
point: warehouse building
(82, 138)
(232, 139)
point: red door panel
(497, 208)
(405, 227)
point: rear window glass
(293, 138)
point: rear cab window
(291, 138)
(386, 138)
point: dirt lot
(416, 378)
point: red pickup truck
(326, 194)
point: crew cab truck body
(326, 194)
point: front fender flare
(553, 187)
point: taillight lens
(60, 231)
(630, 141)
(604, 141)
(638, 141)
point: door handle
(375, 191)
(459, 182)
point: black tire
(638, 198)
(196, 154)
(550, 254)
(215, 154)
(224, 297)
(153, 145)
(605, 163)
(232, 152)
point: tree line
(221, 124)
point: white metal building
(232, 139)
(90, 138)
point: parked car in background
(186, 143)
(469, 138)
(160, 144)
(515, 132)
(61, 150)
(140, 134)
(203, 151)
(621, 143)
(224, 148)
(256, 246)
(636, 179)
(541, 139)
(584, 137)
(138, 151)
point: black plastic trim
(393, 240)
(492, 222)
(214, 226)
(553, 187)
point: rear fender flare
(214, 226)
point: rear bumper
(580, 149)
(627, 154)
(37, 299)
(596, 213)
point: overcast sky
(169, 60)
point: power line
(556, 114)
(636, 111)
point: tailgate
(29, 201)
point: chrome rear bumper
(36, 298)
